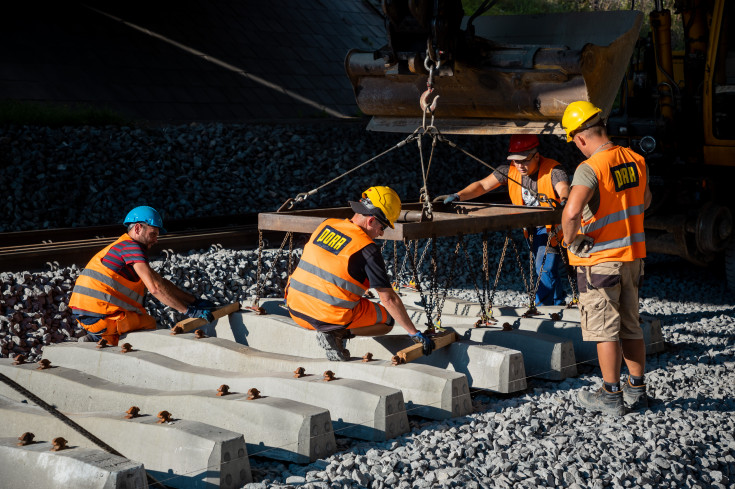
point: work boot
(635, 396)
(602, 400)
(333, 343)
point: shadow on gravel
(695, 316)
(693, 353)
(697, 404)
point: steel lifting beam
(448, 220)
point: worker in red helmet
(527, 175)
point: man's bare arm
(562, 190)
(163, 289)
(480, 187)
(396, 309)
(571, 218)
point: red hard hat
(520, 143)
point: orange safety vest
(321, 287)
(545, 186)
(100, 290)
(617, 226)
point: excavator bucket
(516, 74)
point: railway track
(33, 250)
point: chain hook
(426, 106)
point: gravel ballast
(540, 438)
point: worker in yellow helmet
(340, 262)
(603, 224)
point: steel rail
(38, 249)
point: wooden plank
(417, 351)
(190, 324)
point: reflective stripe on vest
(619, 243)
(101, 291)
(332, 278)
(133, 295)
(617, 226)
(321, 287)
(611, 218)
(322, 296)
(101, 296)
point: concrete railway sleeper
(445, 393)
(358, 409)
(273, 427)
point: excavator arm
(493, 74)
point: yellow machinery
(516, 74)
(493, 74)
(679, 111)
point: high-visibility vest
(544, 186)
(101, 291)
(617, 226)
(321, 287)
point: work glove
(446, 198)
(425, 341)
(451, 198)
(581, 245)
(197, 312)
(203, 304)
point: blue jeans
(551, 286)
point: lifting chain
(419, 261)
(395, 264)
(291, 202)
(571, 276)
(485, 307)
(258, 283)
(527, 285)
(530, 290)
(417, 282)
(400, 273)
(448, 283)
(433, 293)
(290, 255)
(262, 279)
(491, 300)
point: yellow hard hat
(381, 202)
(576, 114)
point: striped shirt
(122, 256)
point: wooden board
(417, 351)
(190, 324)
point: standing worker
(527, 176)
(339, 264)
(606, 204)
(108, 295)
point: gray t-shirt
(585, 176)
(531, 182)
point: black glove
(194, 312)
(424, 340)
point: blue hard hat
(147, 215)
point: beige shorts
(608, 300)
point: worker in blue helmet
(108, 295)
